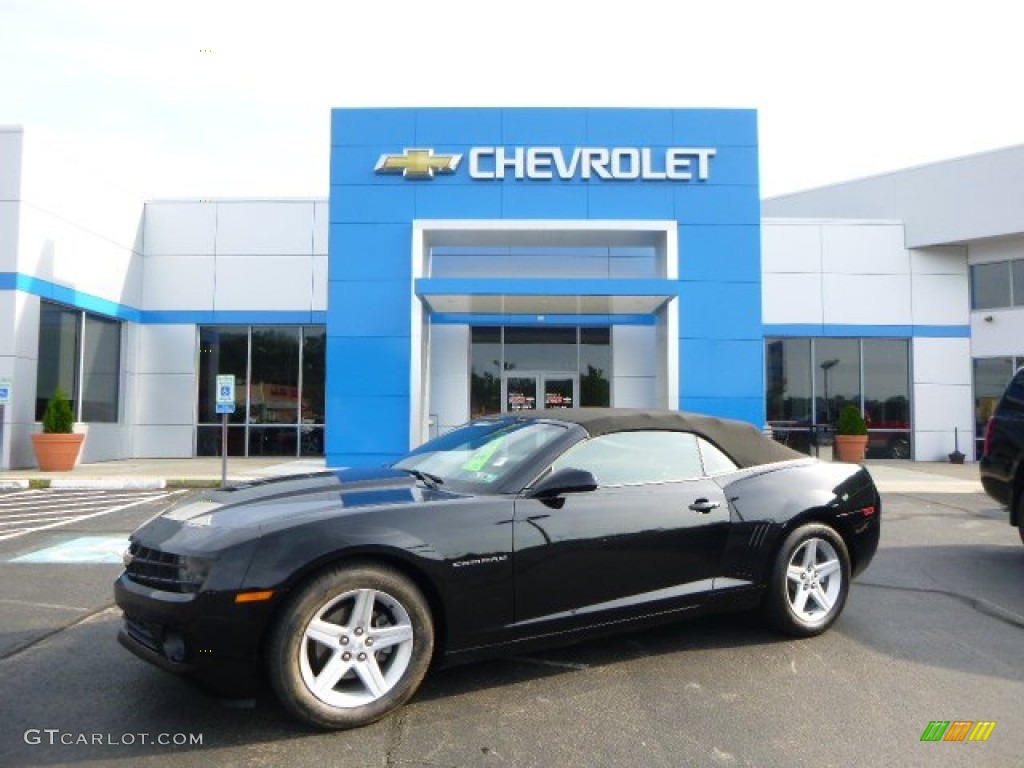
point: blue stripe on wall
(44, 289)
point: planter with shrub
(57, 446)
(851, 435)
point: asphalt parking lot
(934, 631)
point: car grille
(159, 570)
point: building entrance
(526, 390)
(517, 368)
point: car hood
(298, 497)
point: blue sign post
(225, 406)
(5, 399)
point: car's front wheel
(350, 646)
(809, 582)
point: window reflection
(809, 381)
(279, 383)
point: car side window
(629, 458)
(715, 462)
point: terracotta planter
(851, 448)
(57, 452)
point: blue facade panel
(369, 320)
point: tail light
(988, 435)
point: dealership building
(477, 261)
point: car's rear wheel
(809, 582)
(350, 646)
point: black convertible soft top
(747, 446)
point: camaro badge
(418, 163)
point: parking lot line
(51, 523)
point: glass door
(519, 393)
(528, 390)
(559, 390)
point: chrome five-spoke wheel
(815, 579)
(810, 581)
(351, 646)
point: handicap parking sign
(5, 391)
(225, 393)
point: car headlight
(192, 572)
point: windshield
(482, 453)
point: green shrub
(58, 418)
(851, 422)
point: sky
(224, 98)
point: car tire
(350, 646)
(809, 582)
(1020, 516)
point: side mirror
(567, 480)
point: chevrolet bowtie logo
(418, 163)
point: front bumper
(205, 635)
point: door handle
(705, 506)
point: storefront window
(279, 385)
(990, 285)
(809, 381)
(553, 367)
(991, 375)
(101, 360)
(485, 373)
(789, 380)
(887, 397)
(81, 354)
(836, 377)
(57, 365)
(545, 261)
(595, 367)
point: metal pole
(223, 450)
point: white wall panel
(449, 349)
(9, 334)
(166, 399)
(179, 283)
(791, 298)
(939, 407)
(941, 361)
(167, 349)
(937, 445)
(948, 260)
(940, 299)
(1003, 335)
(449, 375)
(320, 283)
(180, 228)
(866, 299)
(857, 249)
(264, 283)
(1002, 249)
(634, 392)
(634, 350)
(105, 442)
(790, 247)
(163, 442)
(9, 211)
(26, 328)
(321, 226)
(11, 143)
(264, 228)
(59, 251)
(449, 400)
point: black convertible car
(528, 529)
